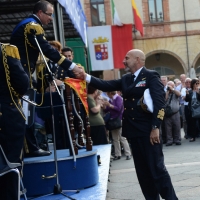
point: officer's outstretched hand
(155, 136)
(79, 72)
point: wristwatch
(154, 127)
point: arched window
(98, 12)
(164, 71)
(155, 11)
(198, 70)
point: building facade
(171, 38)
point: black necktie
(133, 78)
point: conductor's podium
(39, 173)
(91, 179)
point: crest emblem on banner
(101, 48)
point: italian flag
(116, 20)
(108, 46)
(137, 18)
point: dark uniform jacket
(23, 38)
(58, 72)
(137, 122)
(11, 73)
(14, 82)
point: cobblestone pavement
(182, 162)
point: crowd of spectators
(179, 96)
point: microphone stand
(57, 187)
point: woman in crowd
(190, 95)
(115, 107)
(97, 125)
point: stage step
(96, 192)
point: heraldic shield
(101, 51)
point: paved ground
(182, 162)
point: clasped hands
(79, 72)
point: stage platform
(96, 191)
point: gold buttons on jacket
(125, 99)
(131, 108)
(124, 108)
(11, 104)
(62, 70)
(132, 118)
(0, 129)
(133, 99)
(61, 74)
(0, 113)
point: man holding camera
(172, 121)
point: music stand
(57, 187)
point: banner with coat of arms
(100, 47)
(108, 46)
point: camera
(168, 88)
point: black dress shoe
(116, 157)
(186, 137)
(168, 144)
(192, 139)
(178, 143)
(128, 157)
(39, 152)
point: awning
(74, 9)
(12, 12)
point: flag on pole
(116, 20)
(80, 88)
(122, 43)
(137, 18)
(108, 45)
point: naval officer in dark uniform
(141, 127)
(14, 83)
(23, 37)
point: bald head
(171, 83)
(134, 60)
(182, 78)
(138, 53)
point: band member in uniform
(23, 36)
(140, 127)
(14, 82)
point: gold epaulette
(12, 51)
(61, 60)
(36, 27)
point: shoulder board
(61, 59)
(12, 51)
(34, 26)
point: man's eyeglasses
(49, 14)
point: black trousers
(152, 174)
(188, 120)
